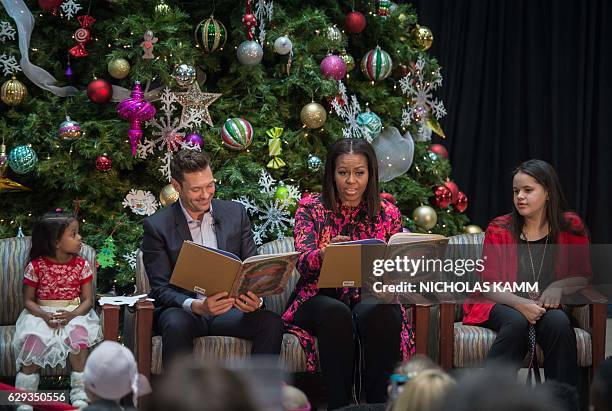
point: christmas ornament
(104, 163)
(13, 92)
(462, 202)
(3, 155)
(383, 9)
(355, 22)
(118, 68)
(147, 45)
(168, 195)
(376, 65)
(237, 133)
(283, 45)
(271, 218)
(347, 110)
(454, 190)
(20, 232)
(70, 130)
(184, 75)
(433, 156)
(275, 148)
(314, 163)
(422, 108)
(370, 124)
(283, 195)
(249, 53)
(22, 159)
(439, 149)
(425, 217)
(100, 91)
(70, 8)
(394, 153)
(348, 60)
(334, 36)
(442, 197)
(195, 101)
(210, 35)
(472, 229)
(162, 8)
(422, 37)
(136, 110)
(400, 71)
(106, 256)
(141, 202)
(82, 36)
(333, 67)
(313, 115)
(50, 5)
(249, 20)
(7, 184)
(68, 73)
(389, 197)
(195, 139)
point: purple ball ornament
(136, 110)
(333, 67)
(68, 73)
(194, 138)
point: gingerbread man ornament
(147, 45)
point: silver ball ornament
(283, 45)
(249, 53)
(184, 75)
(314, 163)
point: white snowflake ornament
(70, 8)
(9, 64)
(6, 31)
(141, 202)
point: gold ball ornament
(168, 195)
(422, 37)
(313, 115)
(348, 60)
(425, 217)
(13, 92)
(119, 68)
(472, 229)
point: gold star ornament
(195, 101)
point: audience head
(407, 370)
(601, 388)
(294, 399)
(111, 373)
(427, 391)
(351, 176)
(193, 179)
(48, 232)
(566, 394)
(190, 385)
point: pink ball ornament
(136, 110)
(439, 149)
(454, 189)
(333, 67)
(194, 138)
(462, 202)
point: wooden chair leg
(110, 321)
(598, 335)
(447, 335)
(421, 324)
(144, 333)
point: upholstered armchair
(13, 256)
(463, 346)
(148, 348)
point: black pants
(378, 327)
(178, 328)
(554, 333)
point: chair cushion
(7, 356)
(214, 348)
(472, 343)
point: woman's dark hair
(371, 196)
(47, 231)
(556, 204)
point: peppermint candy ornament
(82, 36)
(376, 64)
(237, 133)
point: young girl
(58, 321)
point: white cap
(111, 373)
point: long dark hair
(47, 231)
(371, 196)
(556, 204)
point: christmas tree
(264, 87)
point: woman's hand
(532, 312)
(336, 239)
(551, 297)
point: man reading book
(180, 316)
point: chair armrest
(447, 335)
(142, 330)
(421, 325)
(110, 321)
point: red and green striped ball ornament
(237, 133)
(210, 35)
(376, 64)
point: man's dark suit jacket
(164, 233)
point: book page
(261, 257)
(402, 238)
(265, 276)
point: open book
(209, 271)
(345, 262)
